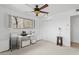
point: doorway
(75, 31)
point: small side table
(59, 40)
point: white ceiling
(52, 8)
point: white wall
(49, 29)
(5, 31)
(75, 28)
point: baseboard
(5, 51)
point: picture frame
(16, 22)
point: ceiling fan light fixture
(37, 12)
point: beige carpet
(43, 48)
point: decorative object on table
(24, 33)
(16, 22)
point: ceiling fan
(37, 10)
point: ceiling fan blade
(44, 12)
(46, 5)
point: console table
(17, 42)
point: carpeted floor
(43, 48)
